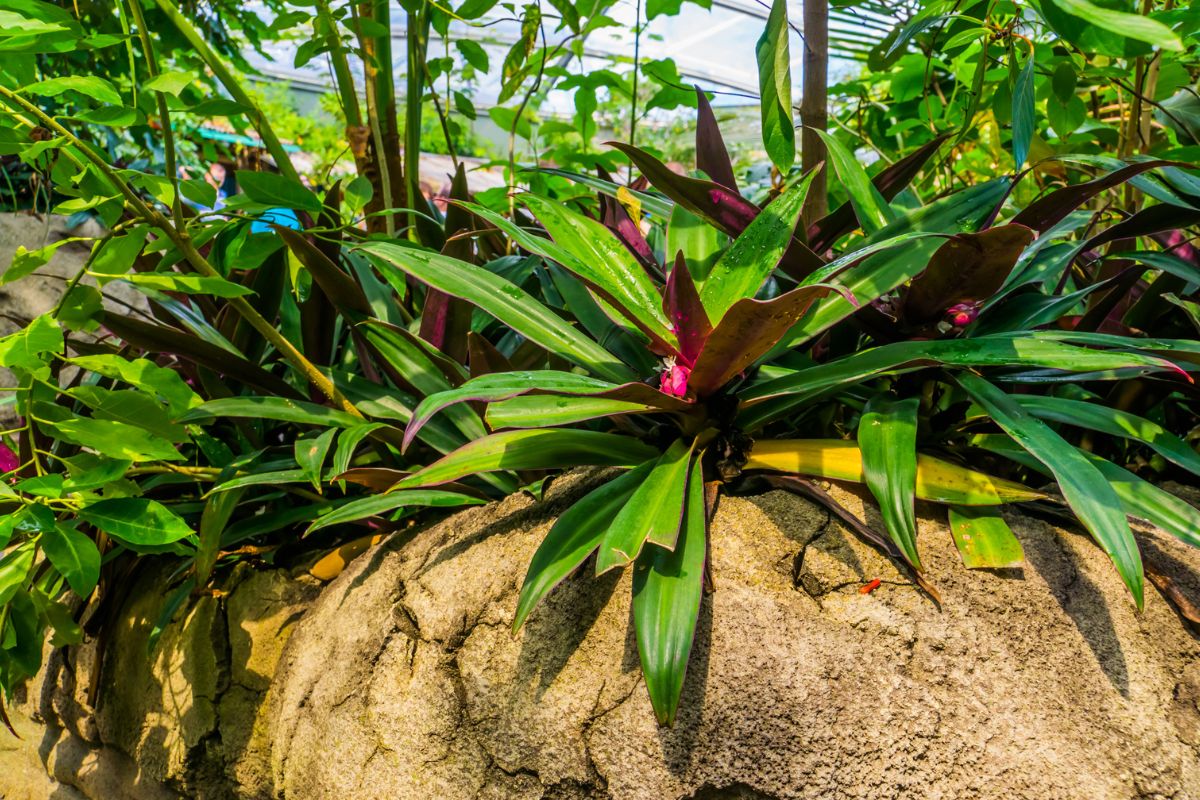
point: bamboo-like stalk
(193, 256)
(418, 42)
(233, 86)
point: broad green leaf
(869, 206)
(754, 254)
(667, 588)
(1023, 113)
(1085, 488)
(116, 255)
(544, 411)
(1114, 423)
(700, 243)
(984, 539)
(25, 348)
(74, 555)
(502, 299)
(549, 449)
(25, 262)
(14, 569)
(86, 85)
(346, 444)
(145, 375)
(114, 439)
(1130, 26)
(575, 535)
(600, 259)
(131, 407)
(653, 513)
(172, 82)
(311, 454)
(279, 409)
(381, 503)
(272, 189)
(775, 88)
(136, 521)
(887, 437)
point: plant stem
(814, 102)
(233, 86)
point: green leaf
(1085, 488)
(279, 409)
(311, 453)
(700, 243)
(653, 513)
(545, 411)
(1130, 26)
(667, 587)
(600, 259)
(114, 439)
(172, 82)
(25, 262)
(131, 407)
(218, 508)
(1023, 113)
(775, 88)
(136, 521)
(87, 85)
(549, 449)
(145, 375)
(502, 299)
(116, 255)
(14, 569)
(1114, 423)
(1144, 500)
(272, 189)
(347, 442)
(573, 538)
(754, 254)
(869, 205)
(213, 285)
(381, 503)
(270, 478)
(984, 539)
(473, 53)
(25, 348)
(887, 437)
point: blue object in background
(283, 217)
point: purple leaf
(1148, 221)
(967, 268)
(748, 330)
(683, 307)
(712, 158)
(1044, 214)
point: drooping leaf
(574, 537)
(538, 411)
(887, 439)
(273, 408)
(654, 511)
(218, 509)
(74, 555)
(1085, 488)
(1130, 26)
(968, 267)
(273, 189)
(936, 480)
(984, 539)
(1023, 112)
(667, 588)
(136, 521)
(685, 310)
(549, 449)
(1044, 213)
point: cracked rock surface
(402, 678)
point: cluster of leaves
(333, 381)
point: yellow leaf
(937, 480)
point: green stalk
(233, 86)
(191, 254)
(341, 68)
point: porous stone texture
(1042, 682)
(185, 718)
(402, 678)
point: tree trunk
(814, 114)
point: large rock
(403, 679)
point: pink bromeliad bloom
(8, 459)
(962, 314)
(675, 378)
